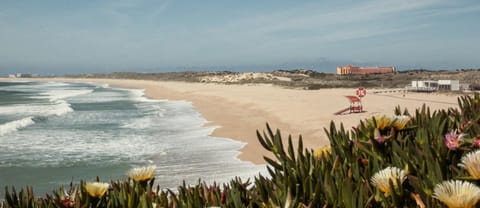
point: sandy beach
(239, 110)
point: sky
(70, 37)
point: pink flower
(453, 140)
(476, 142)
(464, 125)
(379, 137)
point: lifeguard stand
(355, 104)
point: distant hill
(307, 79)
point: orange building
(349, 69)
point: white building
(430, 85)
(465, 87)
(424, 86)
(20, 75)
(452, 85)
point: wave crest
(13, 126)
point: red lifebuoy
(361, 92)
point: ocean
(54, 133)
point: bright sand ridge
(239, 110)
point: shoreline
(236, 125)
(237, 111)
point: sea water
(54, 133)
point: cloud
(312, 22)
(356, 14)
(273, 36)
(312, 30)
(452, 9)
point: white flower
(471, 163)
(399, 122)
(382, 121)
(141, 174)
(323, 152)
(381, 179)
(96, 189)
(457, 193)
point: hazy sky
(98, 36)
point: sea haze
(54, 133)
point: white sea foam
(54, 84)
(140, 123)
(57, 108)
(150, 109)
(99, 97)
(73, 147)
(13, 126)
(152, 115)
(62, 94)
(60, 108)
(97, 85)
(138, 95)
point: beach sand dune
(239, 110)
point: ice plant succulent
(471, 163)
(323, 152)
(141, 174)
(382, 178)
(456, 194)
(453, 140)
(96, 189)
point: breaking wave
(13, 126)
(56, 108)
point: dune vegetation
(410, 159)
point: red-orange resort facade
(349, 69)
